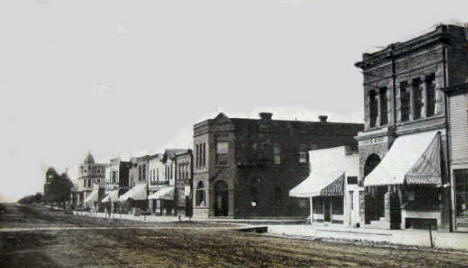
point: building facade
(183, 181)
(90, 173)
(332, 185)
(116, 182)
(457, 108)
(135, 199)
(157, 181)
(403, 148)
(245, 168)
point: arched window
(372, 161)
(201, 194)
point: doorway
(221, 199)
(326, 210)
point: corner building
(403, 149)
(245, 168)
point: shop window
(373, 108)
(383, 106)
(317, 205)
(404, 101)
(222, 149)
(337, 203)
(461, 192)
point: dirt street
(182, 247)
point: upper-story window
(430, 95)
(204, 154)
(197, 155)
(417, 98)
(383, 106)
(404, 101)
(200, 155)
(373, 108)
(222, 149)
(277, 153)
(303, 154)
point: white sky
(129, 76)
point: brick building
(183, 180)
(246, 167)
(403, 148)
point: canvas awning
(112, 196)
(412, 159)
(138, 192)
(92, 197)
(327, 169)
(166, 193)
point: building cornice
(397, 50)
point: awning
(92, 197)
(327, 168)
(166, 193)
(112, 196)
(138, 192)
(412, 159)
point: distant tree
(57, 187)
(29, 199)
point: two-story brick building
(403, 148)
(246, 167)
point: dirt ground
(183, 245)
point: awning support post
(311, 211)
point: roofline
(439, 35)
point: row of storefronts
(158, 184)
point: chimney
(323, 118)
(265, 116)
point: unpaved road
(182, 247)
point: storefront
(135, 200)
(111, 201)
(325, 187)
(163, 201)
(405, 189)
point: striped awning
(412, 159)
(335, 188)
(138, 192)
(326, 176)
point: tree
(57, 187)
(29, 199)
